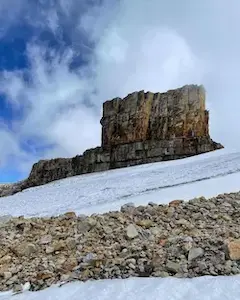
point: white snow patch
(201, 288)
(203, 175)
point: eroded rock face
(143, 116)
(141, 128)
(50, 170)
(11, 188)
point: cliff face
(141, 128)
(162, 116)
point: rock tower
(141, 128)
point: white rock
(131, 231)
(26, 286)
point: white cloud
(137, 45)
(52, 102)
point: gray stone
(156, 231)
(26, 249)
(7, 275)
(131, 261)
(132, 266)
(188, 242)
(228, 266)
(89, 257)
(86, 225)
(127, 206)
(47, 239)
(235, 270)
(170, 211)
(107, 229)
(183, 222)
(173, 266)
(152, 204)
(65, 277)
(162, 274)
(131, 231)
(4, 219)
(71, 243)
(59, 245)
(17, 288)
(195, 253)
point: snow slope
(202, 288)
(208, 175)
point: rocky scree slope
(182, 239)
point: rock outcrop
(141, 128)
(143, 116)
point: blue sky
(60, 60)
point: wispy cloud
(128, 46)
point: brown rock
(162, 242)
(70, 264)
(59, 245)
(175, 203)
(145, 223)
(5, 259)
(141, 116)
(234, 249)
(44, 275)
(118, 126)
(26, 249)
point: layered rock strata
(141, 128)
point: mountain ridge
(140, 128)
